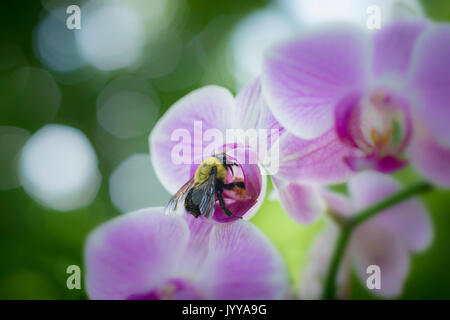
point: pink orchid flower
(150, 255)
(386, 96)
(214, 110)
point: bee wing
(178, 197)
(204, 196)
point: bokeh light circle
(58, 168)
(111, 36)
(253, 36)
(55, 44)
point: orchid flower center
(383, 125)
(174, 289)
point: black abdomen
(190, 206)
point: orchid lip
(377, 126)
(171, 289)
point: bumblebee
(209, 182)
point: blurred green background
(49, 74)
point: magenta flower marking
(150, 255)
(385, 96)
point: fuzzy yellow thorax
(204, 170)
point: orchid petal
(304, 78)
(431, 159)
(243, 264)
(252, 110)
(429, 81)
(321, 160)
(393, 46)
(372, 245)
(206, 108)
(133, 254)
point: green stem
(329, 289)
(330, 281)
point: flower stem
(329, 289)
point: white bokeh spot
(58, 168)
(111, 36)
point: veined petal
(429, 81)
(252, 110)
(321, 160)
(134, 253)
(181, 131)
(197, 250)
(393, 47)
(304, 78)
(243, 264)
(260, 130)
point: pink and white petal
(133, 253)
(410, 223)
(304, 78)
(304, 203)
(253, 113)
(321, 160)
(205, 108)
(252, 110)
(429, 81)
(430, 159)
(407, 221)
(243, 264)
(393, 47)
(371, 246)
(196, 251)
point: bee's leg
(231, 185)
(230, 166)
(231, 169)
(223, 206)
